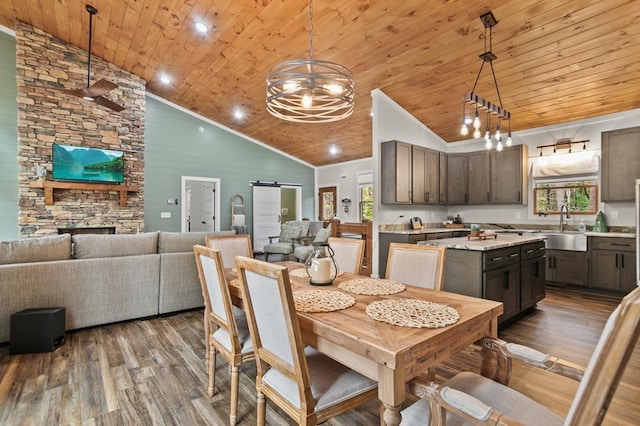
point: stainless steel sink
(567, 240)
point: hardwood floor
(153, 372)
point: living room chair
(304, 248)
(413, 264)
(230, 246)
(309, 386)
(289, 233)
(349, 253)
(231, 337)
(479, 400)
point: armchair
(480, 400)
(286, 240)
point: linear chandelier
(480, 104)
(310, 90)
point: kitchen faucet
(564, 209)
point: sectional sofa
(100, 279)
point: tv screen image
(78, 163)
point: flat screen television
(82, 164)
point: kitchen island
(506, 268)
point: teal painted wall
(8, 139)
(174, 147)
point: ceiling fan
(94, 92)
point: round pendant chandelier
(310, 90)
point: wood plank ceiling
(558, 60)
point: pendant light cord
(310, 52)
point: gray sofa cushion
(89, 246)
(178, 242)
(41, 249)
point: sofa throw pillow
(40, 249)
(89, 246)
(179, 242)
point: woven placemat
(310, 301)
(413, 313)
(302, 273)
(372, 286)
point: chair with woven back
(227, 332)
(309, 386)
(487, 400)
(348, 253)
(419, 265)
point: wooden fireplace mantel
(50, 185)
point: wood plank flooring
(153, 372)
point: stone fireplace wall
(46, 115)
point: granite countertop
(422, 231)
(610, 234)
(501, 241)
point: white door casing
(201, 204)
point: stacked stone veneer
(47, 115)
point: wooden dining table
(392, 355)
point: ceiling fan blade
(107, 103)
(99, 88)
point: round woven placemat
(412, 313)
(302, 273)
(372, 286)
(310, 301)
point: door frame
(328, 189)
(183, 191)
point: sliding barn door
(266, 214)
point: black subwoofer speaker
(37, 330)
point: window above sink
(581, 196)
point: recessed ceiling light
(201, 27)
(238, 114)
(333, 150)
(165, 79)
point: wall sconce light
(563, 144)
(346, 202)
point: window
(581, 196)
(366, 202)
(327, 203)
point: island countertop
(490, 243)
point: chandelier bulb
(307, 101)
(476, 121)
(487, 136)
(499, 146)
(477, 134)
(488, 144)
(464, 130)
(497, 135)
(509, 140)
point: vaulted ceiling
(558, 60)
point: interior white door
(266, 214)
(208, 206)
(201, 204)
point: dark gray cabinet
(396, 172)
(479, 176)
(503, 285)
(509, 177)
(567, 267)
(613, 265)
(425, 175)
(620, 164)
(457, 179)
(442, 158)
(532, 274)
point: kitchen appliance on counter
(415, 223)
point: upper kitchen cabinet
(620, 164)
(425, 175)
(479, 177)
(457, 180)
(396, 172)
(443, 178)
(509, 177)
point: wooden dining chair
(414, 264)
(309, 386)
(349, 253)
(228, 332)
(230, 246)
(486, 399)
